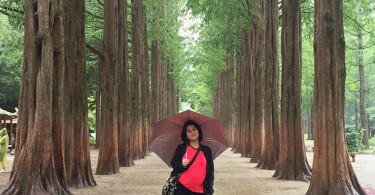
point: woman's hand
(185, 162)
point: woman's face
(192, 133)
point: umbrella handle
(187, 147)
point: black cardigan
(176, 164)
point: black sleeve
(176, 162)
(210, 172)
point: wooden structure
(8, 118)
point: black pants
(182, 190)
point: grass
(372, 141)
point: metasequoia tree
(139, 79)
(74, 107)
(163, 90)
(124, 131)
(362, 83)
(40, 160)
(242, 106)
(292, 164)
(108, 161)
(223, 106)
(257, 63)
(332, 171)
(268, 158)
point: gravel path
(233, 176)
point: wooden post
(11, 131)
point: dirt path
(233, 176)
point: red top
(193, 177)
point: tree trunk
(137, 78)
(229, 98)
(145, 86)
(332, 172)
(243, 94)
(39, 166)
(98, 95)
(268, 159)
(292, 164)
(249, 97)
(155, 80)
(312, 119)
(75, 115)
(257, 62)
(108, 160)
(240, 145)
(125, 142)
(362, 91)
(223, 98)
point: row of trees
(254, 124)
(135, 65)
(52, 150)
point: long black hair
(184, 129)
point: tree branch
(360, 26)
(366, 47)
(352, 48)
(94, 50)
(94, 15)
(353, 34)
(11, 9)
(100, 3)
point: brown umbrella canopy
(166, 134)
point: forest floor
(234, 175)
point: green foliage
(307, 84)
(94, 37)
(353, 138)
(359, 19)
(372, 141)
(92, 139)
(218, 25)
(307, 19)
(10, 64)
(92, 113)
(14, 11)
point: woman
(4, 140)
(197, 173)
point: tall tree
(74, 96)
(244, 97)
(292, 164)
(362, 90)
(268, 159)
(125, 141)
(360, 46)
(257, 63)
(139, 75)
(108, 161)
(333, 172)
(39, 165)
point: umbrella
(166, 134)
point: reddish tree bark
(257, 61)
(39, 164)
(332, 171)
(268, 159)
(139, 80)
(75, 106)
(125, 141)
(292, 164)
(108, 160)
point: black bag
(170, 184)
